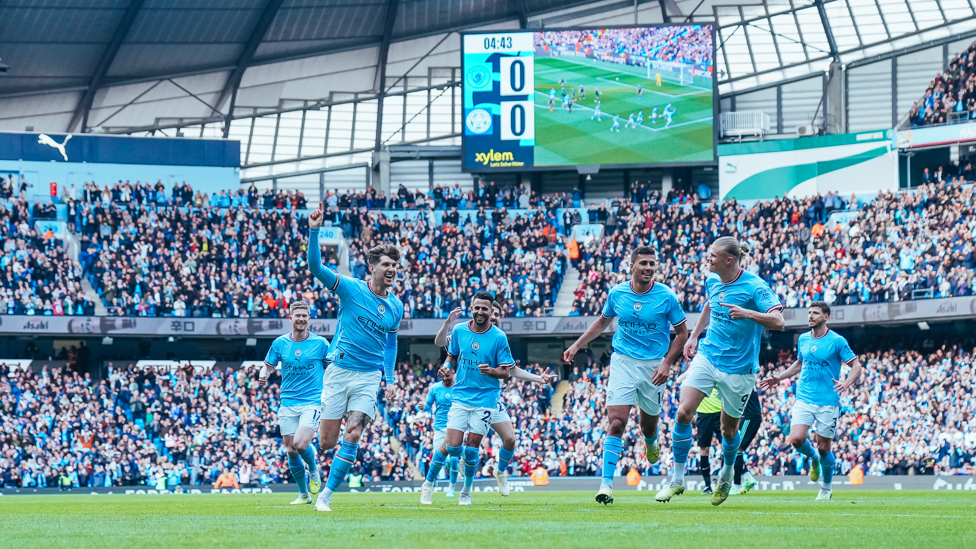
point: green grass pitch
(525, 519)
(563, 138)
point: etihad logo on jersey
(372, 326)
(497, 159)
(637, 328)
(818, 365)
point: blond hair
(728, 244)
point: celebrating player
(642, 357)
(820, 353)
(739, 306)
(439, 400)
(478, 357)
(365, 341)
(302, 358)
(501, 422)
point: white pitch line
(651, 90)
(610, 115)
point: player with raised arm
(478, 358)
(501, 422)
(439, 402)
(642, 359)
(820, 354)
(739, 305)
(301, 355)
(363, 349)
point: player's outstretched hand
(548, 376)
(691, 349)
(569, 354)
(315, 218)
(841, 386)
(455, 314)
(736, 312)
(661, 374)
(391, 394)
(769, 383)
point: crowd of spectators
(951, 96)
(162, 428)
(686, 44)
(900, 246)
(36, 275)
(911, 413)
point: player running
(739, 306)
(597, 114)
(654, 114)
(616, 123)
(439, 401)
(631, 123)
(501, 422)
(596, 94)
(668, 113)
(642, 358)
(640, 91)
(582, 92)
(478, 357)
(302, 358)
(365, 341)
(640, 118)
(820, 353)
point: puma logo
(45, 139)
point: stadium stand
(38, 278)
(910, 413)
(903, 245)
(951, 96)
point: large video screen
(561, 98)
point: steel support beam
(523, 14)
(233, 81)
(104, 64)
(828, 32)
(379, 83)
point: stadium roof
(64, 53)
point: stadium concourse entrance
(94, 354)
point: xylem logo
(492, 156)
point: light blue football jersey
(643, 320)
(472, 349)
(439, 399)
(302, 368)
(365, 322)
(821, 358)
(732, 346)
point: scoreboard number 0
(517, 120)
(517, 76)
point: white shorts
(733, 389)
(630, 384)
(823, 419)
(346, 390)
(500, 415)
(290, 418)
(439, 437)
(472, 419)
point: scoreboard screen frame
(560, 167)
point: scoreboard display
(624, 96)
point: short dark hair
(642, 250)
(822, 305)
(376, 253)
(483, 295)
(498, 305)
